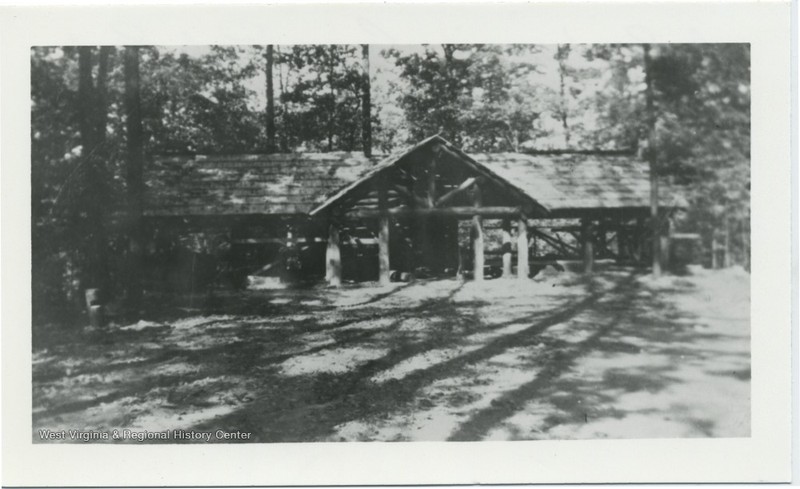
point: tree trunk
(653, 158)
(102, 95)
(714, 250)
(86, 106)
(135, 157)
(727, 247)
(366, 105)
(284, 141)
(561, 54)
(332, 115)
(95, 272)
(270, 102)
(745, 247)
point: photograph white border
(763, 457)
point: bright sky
(383, 69)
(546, 76)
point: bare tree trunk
(95, 273)
(745, 246)
(281, 91)
(270, 102)
(134, 180)
(86, 105)
(332, 116)
(727, 257)
(102, 94)
(561, 55)
(366, 105)
(653, 158)
(714, 250)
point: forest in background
(98, 113)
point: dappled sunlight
(420, 362)
(197, 322)
(570, 357)
(440, 407)
(335, 361)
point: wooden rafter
(465, 185)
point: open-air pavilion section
(431, 210)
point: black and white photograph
(385, 243)
(365, 242)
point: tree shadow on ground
(326, 401)
(443, 337)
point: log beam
(444, 211)
(333, 258)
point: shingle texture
(575, 181)
(296, 183)
(248, 184)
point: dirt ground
(616, 355)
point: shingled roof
(575, 181)
(248, 184)
(298, 182)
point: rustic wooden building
(431, 209)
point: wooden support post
(506, 249)
(95, 307)
(477, 244)
(587, 238)
(383, 235)
(383, 250)
(522, 248)
(666, 239)
(333, 258)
